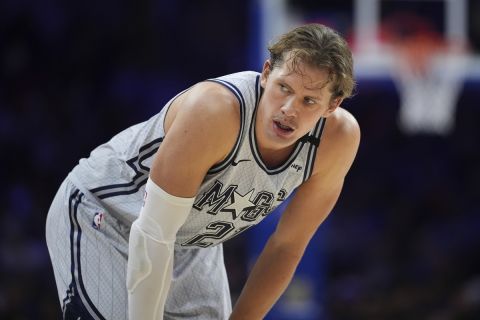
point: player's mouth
(282, 129)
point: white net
(429, 92)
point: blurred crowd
(73, 74)
(402, 243)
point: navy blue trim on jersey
(238, 94)
(138, 180)
(166, 108)
(258, 91)
(314, 139)
(77, 304)
(254, 147)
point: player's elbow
(288, 248)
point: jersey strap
(313, 138)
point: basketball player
(136, 229)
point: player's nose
(289, 108)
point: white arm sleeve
(150, 251)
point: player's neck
(274, 157)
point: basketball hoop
(428, 72)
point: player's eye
(309, 101)
(283, 88)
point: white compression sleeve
(150, 251)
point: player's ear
(334, 104)
(267, 68)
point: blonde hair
(321, 47)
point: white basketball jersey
(235, 194)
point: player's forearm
(269, 278)
(149, 274)
(151, 250)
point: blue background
(403, 241)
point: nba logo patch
(97, 220)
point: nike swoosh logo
(235, 163)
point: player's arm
(191, 146)
(309, 207)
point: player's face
(291, 104)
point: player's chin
(284, 141)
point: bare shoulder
(342, 125)
(208, 100)
(339, 143)
(209, 109)
(201, 124)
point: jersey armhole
(167, 108)
(229, 158)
